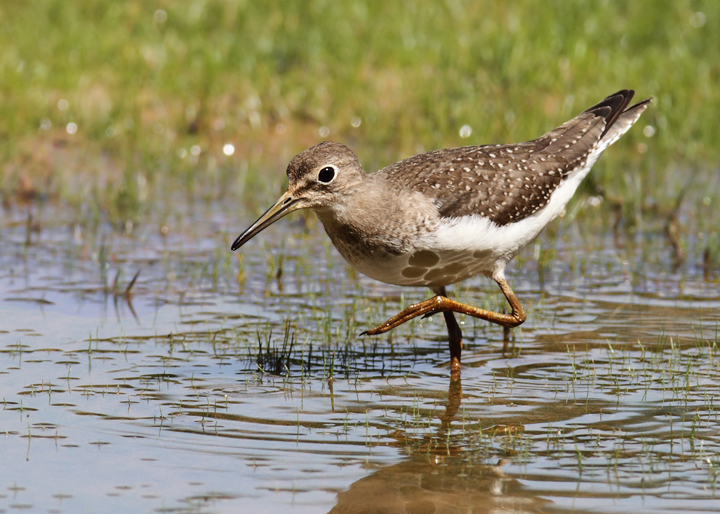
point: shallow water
(240, 384)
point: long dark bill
(285, 205)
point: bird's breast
(422, 253)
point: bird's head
(318, 178)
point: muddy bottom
(217, 382)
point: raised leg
(441, 303)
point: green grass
(143, 87)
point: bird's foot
(426, 308)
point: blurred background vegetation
(116, 106)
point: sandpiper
(444, 216)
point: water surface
(228, 383)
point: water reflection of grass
(152, 94)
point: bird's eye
(326, 174)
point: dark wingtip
(612, 107)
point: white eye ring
(327, 174)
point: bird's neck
(358, 206)
(377, 214)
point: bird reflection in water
(438, 479)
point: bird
(447, 215)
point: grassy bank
(114, 103)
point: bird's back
(507, 183)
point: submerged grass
(108, 105)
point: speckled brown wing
(507, 183)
